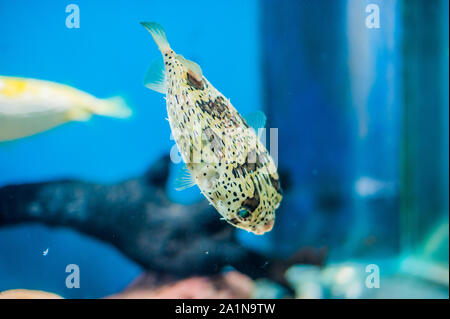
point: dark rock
(136, 217)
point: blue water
(334, 88)
(107, 56)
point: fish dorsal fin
(184, 179)
(155, 78)
(158, 35)
(256, 120)
(194, 69)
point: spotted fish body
(224, 156)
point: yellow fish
(30, 106)
(223, 155)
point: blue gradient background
(107, 56)
(333, 87)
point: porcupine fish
(30, 106)
(223, 154)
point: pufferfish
(30, 106)
(224, 157)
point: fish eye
(193, 81)
(243, 213)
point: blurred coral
(223, 286)
(27, 294)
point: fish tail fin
(158, 35)
(114, 107)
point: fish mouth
(264, 228)
(257, 230)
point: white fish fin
(158, 35)
(155, 79)
(78, 114)
(194, 68)
(256, 120)
(113, 107)
(184, 179)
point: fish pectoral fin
(184, 179)
(155, 79)
(256, 120)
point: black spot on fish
(252, 203)
(217, 108)
(234, 221)
(276, 184)
(214, 141)
(251, 164)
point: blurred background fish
(30, 106)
